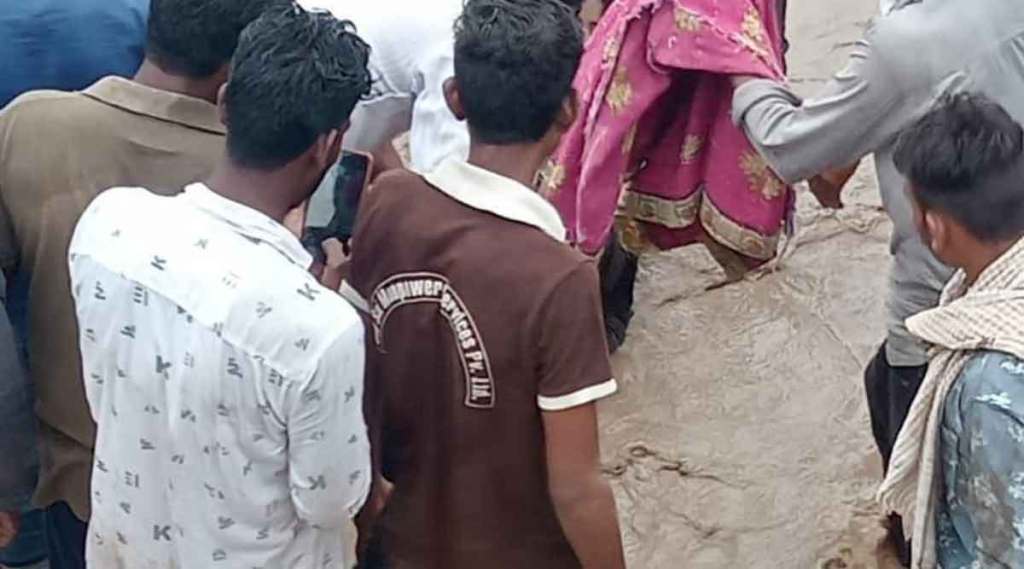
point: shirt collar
(248, 223)
(486, 191)
(164, 105)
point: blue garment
(17, 439)
(68, 44)
(980, 515)
(17, 423)
(65, 537)
(30, 547)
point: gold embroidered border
(673, 214)
(735, 236)
(680, 214)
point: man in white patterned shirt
(226, 383)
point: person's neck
(519, 162)
(982, 257)
(150, 75)
(265, 192)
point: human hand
(828, 187)
(337, 256)
(829, 195)
(10, 522)
(385, 159)
(380, 493)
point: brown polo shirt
(481, 317)
(58, 150)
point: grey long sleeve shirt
(17, 423)
(904, 64)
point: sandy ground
(740, 437)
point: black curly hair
(966, 159)
(514, 65)
(296, 75)
(196, 38)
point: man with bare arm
(488, 353)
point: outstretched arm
(861, 109)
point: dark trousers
(65, 537)
(891, 391)
(618, 269)
(782, 22)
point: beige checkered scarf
(988, 316)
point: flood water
(740, 436)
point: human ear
(222, 108)
(938, 233)
(329, 148)
(454, 98)
(569, 111)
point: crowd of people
(184, 385)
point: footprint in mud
(846, 559)
(640, 455)
(842, 561)
(835, 563)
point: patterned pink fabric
(655, 140)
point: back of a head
(196, 38)
(295, 76)
(966, 159)
(514, 65)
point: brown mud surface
(740, 436)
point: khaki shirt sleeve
(8, 243)
(574, 365)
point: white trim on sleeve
(578, 398)
(353, 297)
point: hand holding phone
(353, 177)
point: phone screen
(353, 171)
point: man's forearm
(386, 158)
(860, 108)
(590, 522)
(765, 111)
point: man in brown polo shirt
(58, 150)
(487, 347)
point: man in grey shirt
(907, 60)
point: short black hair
(966, 158)
(196, 38)
(297, 75)
(514, 65)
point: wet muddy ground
(740, 437)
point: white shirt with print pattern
(226, 385)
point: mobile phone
(352, 177)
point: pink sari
(655, 144)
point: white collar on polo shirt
(486, 191)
